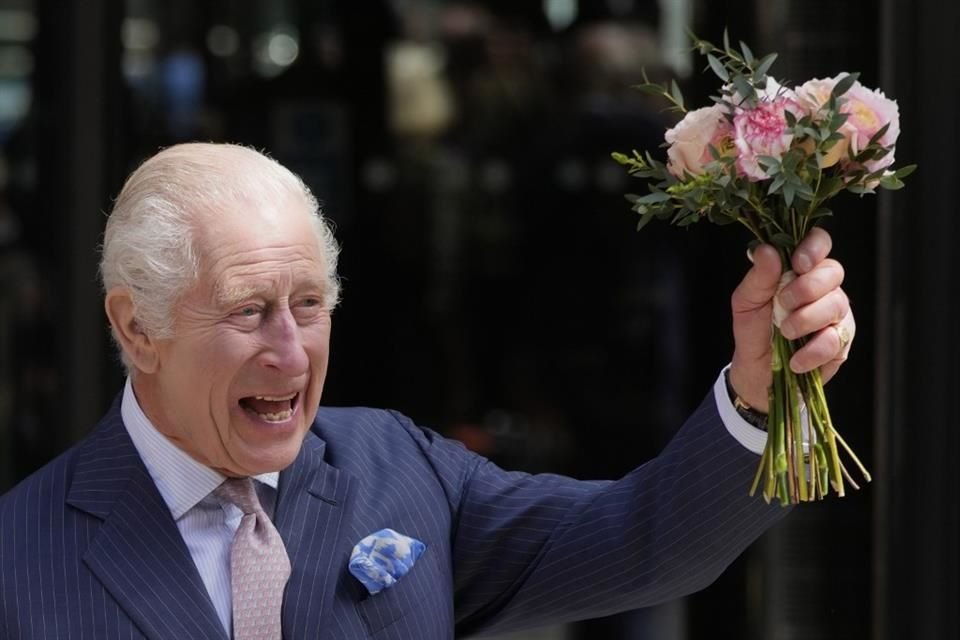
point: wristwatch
(752, 416)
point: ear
(138, 346)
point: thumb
(752, 303)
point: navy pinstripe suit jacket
(90, 550)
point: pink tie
(259, 566)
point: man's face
(239, 384)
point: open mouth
(271, 408)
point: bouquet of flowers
(769, 157)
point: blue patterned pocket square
(382, 558)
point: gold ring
(843, 334)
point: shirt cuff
(746, 434)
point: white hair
(149, 245)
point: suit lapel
(138, 553)
(312, 506)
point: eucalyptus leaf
(775, 185)
(718, 67)
(782, 240)
(788, 193)
(844, 84)
(689, 219)
(675, 93)
(765, 65)
(654, 197)
(650, 89)
(645, 219)
(747, 93)
(875, 138)
(903, 172)
(891, 182)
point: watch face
(755, 418)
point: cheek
(316, 337)
(227, 350)
(318, 350)
(217, 363)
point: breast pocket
(413, 599)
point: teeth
(280, 416)
(277, 398)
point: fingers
(827, 349)
(826, 310)
(813, 249)
(752, 307)
(811, 287)
(751, 304)
(819, 309)
(758, 286)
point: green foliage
(782, 207)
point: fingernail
(796, 367)
(803, 262)
(787, 300)
(786, 330)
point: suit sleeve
(536, 549)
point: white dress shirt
(206, 524)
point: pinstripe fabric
(88, 546)
(85, 555)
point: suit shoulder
(34, 508)
(381, 437)
(366, 422)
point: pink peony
(762, 131)
(689, 140)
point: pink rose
(763, 131)
(691, 138)
(868, 111)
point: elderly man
(216, 498)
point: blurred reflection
(29, 381)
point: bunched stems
(800, 461)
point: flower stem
(797, 466)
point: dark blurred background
(494, 287)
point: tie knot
(240, 492)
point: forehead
(254, 244)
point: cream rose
(691, 138)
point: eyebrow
(226, 296)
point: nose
(284, 346)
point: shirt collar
(182, 481)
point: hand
(816, 305)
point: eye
(249, 311)
(308, 308)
